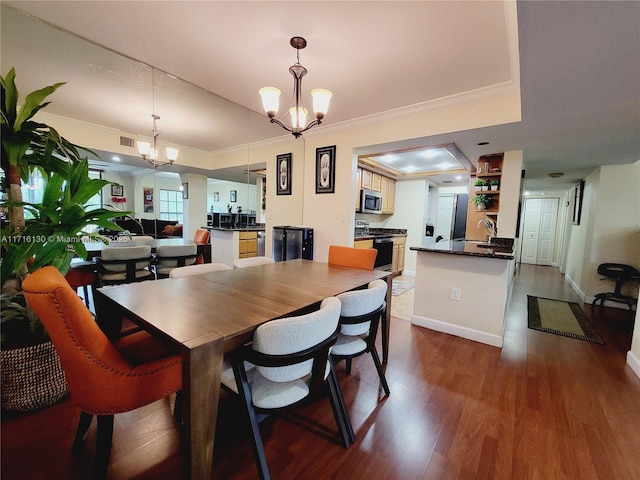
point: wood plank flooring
(543, 407)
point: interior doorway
(539, 231)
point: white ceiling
(577, 67)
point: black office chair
(621, 273)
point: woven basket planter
(32, 378)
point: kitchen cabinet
(399, 247)
(363, 243)
(489, 169)
(247, 244)
(388, 190)
(368, 180)
(376, 182)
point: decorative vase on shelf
(485, 188)
(494, 187)
(482, 206)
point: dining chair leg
(376, 361)
(256, 440)
(340, 403)
(347, 366)
(83, 426)
(339, 413)
(103, 446)
(177, 407)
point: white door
(539, 230)
(444, 218)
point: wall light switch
(455, 294)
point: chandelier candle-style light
(151, 154)
(321, 98)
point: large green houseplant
(51, 234)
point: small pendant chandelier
(148, 151)
(150, 154)
(321, 98)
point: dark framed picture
(233, 195)
(326, 169)
(283, 172)
(578, 191)
(185, 190)
(117, 190)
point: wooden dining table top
(233, 303)
(206, 315)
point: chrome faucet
(490, 226)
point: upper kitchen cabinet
(486, 184)
(370, 180)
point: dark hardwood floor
(542, 407)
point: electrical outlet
(455, 294)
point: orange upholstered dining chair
(364, 258)
(202, 238)
(103, 377)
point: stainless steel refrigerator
(290, 242)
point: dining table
(205, 316)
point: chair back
(95, 370)
(251, 262)
(133, 241)
(295, 335)
(173, 256)
(364, 258)
(201, 236)
(198, 269)
(357, 304)
(125, 264)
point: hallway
(542, 407)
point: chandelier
(321, 98)
(151, 154)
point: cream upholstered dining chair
(288, 363)
(364, 258)
(359, 319)
(251, 262)
(104, 377)
(169, 257)
(125, 265)
(198, 269)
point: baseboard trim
(576, 288)
(458, 331)
(634, 362)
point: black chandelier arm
(278, 122)
(312, 123)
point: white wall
(245, 196)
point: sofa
(155, 228)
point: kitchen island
(229, 244)
(462, 288)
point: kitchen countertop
(474, 248)
(378, 232)
(238, 229)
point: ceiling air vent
(127, 142)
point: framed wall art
(233, 195)
(117, 190)
(578, 192)
(147, 199)
(283, 171)
(185, 191)
(325, 169)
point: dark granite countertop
(377, 232)
(251, 228)
(474, 248)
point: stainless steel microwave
(370, 201)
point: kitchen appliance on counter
(362, 228)
(370, 201)
(290, 242)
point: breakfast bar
(462, 288)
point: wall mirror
(107, 104)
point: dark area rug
(560, 318)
